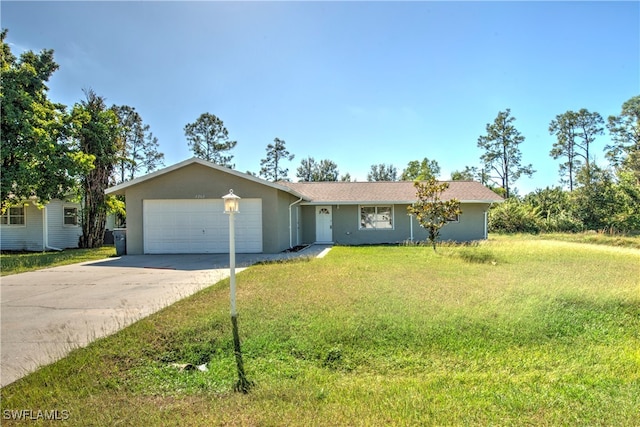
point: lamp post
(231, 207)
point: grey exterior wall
(199, 181)
(31, 238)
(346, 223)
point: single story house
(179, 209)
(27, 227)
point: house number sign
(199, 196)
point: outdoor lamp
(231, 202)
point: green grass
(618, 240)
(12, 263)
(514, 331)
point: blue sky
(359, 83)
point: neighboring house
(179, 209)
(27, 227)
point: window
(376, 217)
(13, 216)
(455, 218)
(70, 216)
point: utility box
(120, 240)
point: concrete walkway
(47, 313)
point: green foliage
(382, 172)
(272, 168)
(421, 171)
(624, 153)
(97, 133)
(312, 171)
(513, 216)
(139, 148)
(501, 151)
(208, 138)
(430, 210)
(38, 158)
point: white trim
(77, 224)
(7, 216)
(377, 205)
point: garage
(190, 226)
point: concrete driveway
(47, 313)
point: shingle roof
(386, 191)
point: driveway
(47, 313)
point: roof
(332, 192)
(386, 192)
(119, 189)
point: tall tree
(98, 136)
(272, 168)
(588, 126)
(38, 159)
(306, 170)
(430, 210)
(575, 132)
(421, 170)
(502, 152)
(564, 127)
(139, 148)
(382, 172)
(624, 128)
(209, 140)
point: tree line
(51, 151)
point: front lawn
(509, 332)
(12, 263)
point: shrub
(513, 216)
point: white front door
(324, 226)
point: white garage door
(200, 226)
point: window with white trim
(14, 216)
(376, 217)
(70, 216)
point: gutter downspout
(411, 225)
(291, 222)
(45, 231)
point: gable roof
(400, 192)
(119, 189)
(333, 192)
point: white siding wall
(30, 236)
(62, 236)
(24, 238)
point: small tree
(272, 166)
(431, 211)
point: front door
(324, 232)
